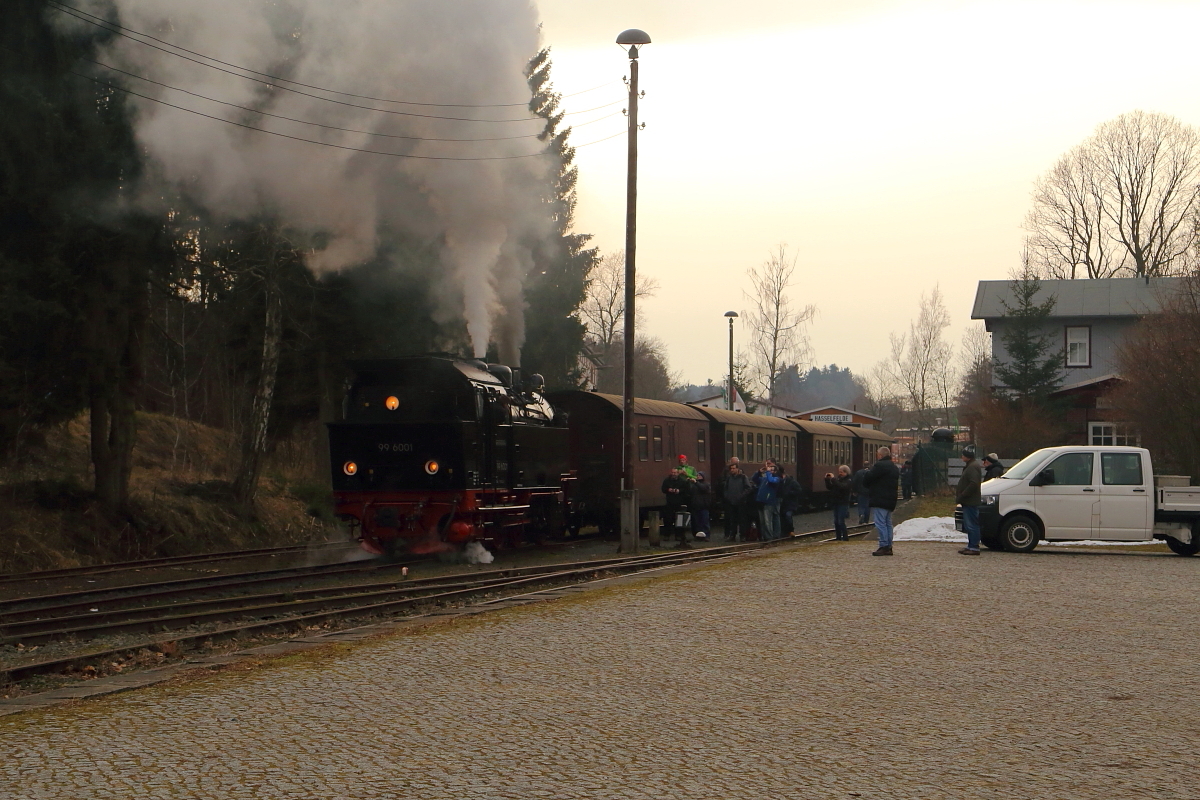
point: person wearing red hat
(686, 469)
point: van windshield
(1026, 465)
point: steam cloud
(487, 216)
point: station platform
(804, 672)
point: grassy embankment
(180, 500)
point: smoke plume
(485, 216)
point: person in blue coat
(766, 482)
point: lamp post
(732, 316)
(630, 527)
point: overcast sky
(892, 144)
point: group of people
(874, 489)
(967, 493)
(765, 498)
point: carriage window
(643, 444)
(770, 449)
(758, 447)
(658, 443)
(728, 445)
(741, 448)
(701, 446)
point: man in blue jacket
(767, 495)
(882, 481)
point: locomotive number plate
(395, 447)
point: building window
(657, 442)
(643, 444)
(701, 446)
(729, 445)
(1108, 434)
(1079, 346)
(741, 446)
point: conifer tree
(1033, 368)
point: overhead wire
(331, 144)
(132, 35)
(331, 127)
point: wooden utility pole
(630, 527)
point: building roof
(1101, 297)
(1070, 387)
(824, 409)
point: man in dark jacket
(906, 482)
(992, 467)
(839, 497)
(676, 489)
(882, 481)
(735, 490)
(861, 495)
(966, 494)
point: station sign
(836, 419)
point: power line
(120, 30)
(330, 144)
(322, 125)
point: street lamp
(630, 527)
(732, 316)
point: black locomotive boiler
(436, 451)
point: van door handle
(1089, 490)
(1140, 490)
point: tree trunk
(120, 310)
(254, 437)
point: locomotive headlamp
(350, 468)
(392, 403)
(432, 467)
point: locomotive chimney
(505, 374)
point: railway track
(174, 561)
(258, 613)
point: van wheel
(1184, 549)
(1020, 534)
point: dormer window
(1079, 346)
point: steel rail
(656, 561)
(166, 561)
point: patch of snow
(941, 529)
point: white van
(1072, 493)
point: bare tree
(651, 372)
(922, 362)
(777, 336)
(1124, 202)
(603, 310)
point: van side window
(1121, 469)
(1072, 469)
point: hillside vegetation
(181, 499)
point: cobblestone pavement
(814, 672)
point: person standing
(673, 488)
(861, 495)
(966, 494)
(992, 467)
(882, 481)
(839, 497)
(767, 496)
(906, 475)
(701, 499)
(790, 498)
(686, 469)
(735, 492)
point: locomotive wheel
(1020, 534)
(1184, 549)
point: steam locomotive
(435, 451)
